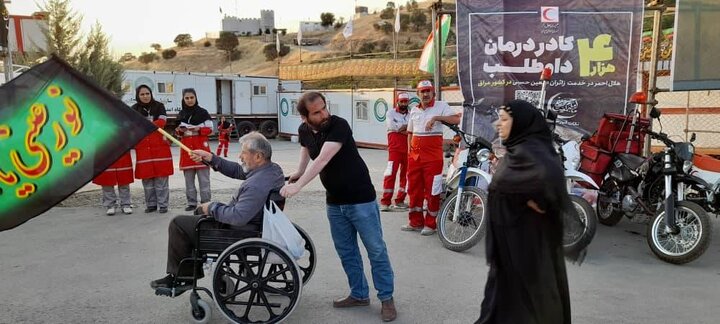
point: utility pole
(4, 40)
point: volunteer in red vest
(195, 126)
(153, 159)
(425, 157)
(397, 121)
(119, 174)
(224, 130)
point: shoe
(166, 282)
(110, 211)
(127, 210)
(388, 312)
(408, 228)
(427, 231)
(150, 209)
(350, 301)
(384, 208)
(162, 210)
(190, 208)
(401, 205)
(168, 286)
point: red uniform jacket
(152, 155)
(118, 174)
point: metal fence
(687, 112)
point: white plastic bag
(278, 229)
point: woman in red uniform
(119, 174)
(195, 126)
(224, 130)
(153, 160)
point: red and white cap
(402, 96)
(425, 84)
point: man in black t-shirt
(351, 206)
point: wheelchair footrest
(172, 292)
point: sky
(135, 24)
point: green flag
(58, 130)
(427, 58)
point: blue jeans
(346, 222)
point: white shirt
(395, 120)
(420, 117)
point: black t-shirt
(345, 177)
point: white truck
(251, 101)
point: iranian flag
(58, 130)
(427, 59)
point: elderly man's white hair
(257, 143)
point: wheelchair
(254, 280)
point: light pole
(4, 41)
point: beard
(403, 109)
(322, 125)
(244, 167)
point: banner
(57, 132)
(592, 46)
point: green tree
(127, 57)
(327, 19)
(404, 21)
(157, 47)
(183, 40)
(169, 53)
(95, 61)
(147, 58)
(418, 19)
(63, 31)
(227, 42)
(271, 53)
(387, 13)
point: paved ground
(73, 264)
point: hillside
(198, 58)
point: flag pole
(174, 140)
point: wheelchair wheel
(307, 262)
(200, 311)
(266, 282)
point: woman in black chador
(527, 283)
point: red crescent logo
(545, 14)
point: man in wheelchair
(243, 212)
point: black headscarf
(532, 168)
(193, 115)
(531, 163)
(152, 108)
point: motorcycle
(575, 238)
(461, 221)
(679, 232)
(706, 173)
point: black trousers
(181, 242)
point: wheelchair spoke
(263, 260)
(266, 303)
(275, 274)
(274, 290)
(251, 300)
(237, 293)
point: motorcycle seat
(706, 162)
(632, 161)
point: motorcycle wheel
(607, 213)
(575, 239)
(469, 227)
(690, 243)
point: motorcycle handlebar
(462, 134)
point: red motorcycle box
(619, 141)
(594, 161)
(617, 127)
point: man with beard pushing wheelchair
(243, 214)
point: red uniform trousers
(397, 161)
(425, 162)
(120, 173)
(223, 140)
